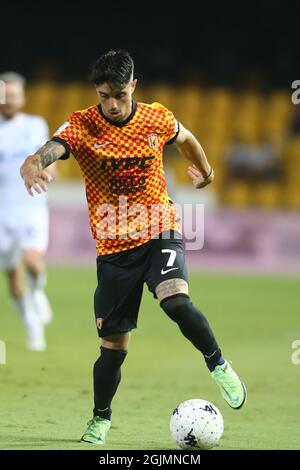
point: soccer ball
(196, 424)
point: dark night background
(252, 43)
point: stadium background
(226, 72)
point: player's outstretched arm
(33, 169)
(201, 173)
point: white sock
(37, 285)
(37, 282)
(34, 327)
(25, 308)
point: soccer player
(119, 145)
(23, 221)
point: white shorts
(31, 231)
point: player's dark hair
(114, 68)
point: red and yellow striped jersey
(123, 171)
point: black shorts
(121, 278)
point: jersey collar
(121, 123)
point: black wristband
(209, 174)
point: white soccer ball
(196, 424)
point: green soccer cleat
(232, 389)
(96, 431)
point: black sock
(214, 360)
(107, 376)
(194, 326)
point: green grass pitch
(46, 398)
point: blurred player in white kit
(24, 221)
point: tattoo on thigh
(171, 287)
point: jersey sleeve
(69, 134)
(172, 128)
(170, 125)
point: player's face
(14, 99)
(116, 103)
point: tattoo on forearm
(49, 153)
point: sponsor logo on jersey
(125, 163)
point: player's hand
(198, 180)
(99, 322)
(34, 176)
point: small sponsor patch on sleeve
(176, 130)
(62, 127)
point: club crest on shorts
(153, 141)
